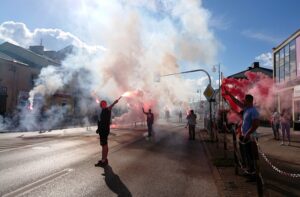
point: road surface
(61, 163)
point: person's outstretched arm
(113, 104)
(144, 111)
(235, 100)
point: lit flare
(30, 107)
(126, 94)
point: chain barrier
(239, 162)
(237, 153)
(293, 175)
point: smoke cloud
(140, 38)
(259, 85)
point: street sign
(209, 92)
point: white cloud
(53, 39)
(261, 36)
(265, 59)
(220, 22)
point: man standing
(249, 125)
(150, 120)
(191, 124)
(180, 116)
(103, 130)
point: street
(61, 163)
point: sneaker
(101, 163)
(282, 144)
(289, 144)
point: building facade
(286, 65)
(16, 80)
(19, 68)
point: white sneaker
(282, 144)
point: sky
(240, 32)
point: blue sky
(252, 27)
(244, 29)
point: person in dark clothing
(180, 116)
(150, 120)
(191, 118)
(104, 120)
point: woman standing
(285, 125)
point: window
(33, 79)
(281, 65)
(287, 62)
(292, 57)
(277, 67)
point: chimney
(255, 65)
(37, 49)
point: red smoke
(259, 85)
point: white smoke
(141, 38)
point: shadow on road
(114, 183)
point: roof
(286, 41)
(266, 71)
(26, 56)
(3, 59)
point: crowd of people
(246, 130)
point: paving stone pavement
(231, 184)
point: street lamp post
(222, 114)
(199, 91)
(219, 73)
(191, 71)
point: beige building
(19, 68)
(16, 80)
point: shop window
(297, 111)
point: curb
(213, 168)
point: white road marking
(40, 147)
(38, 183)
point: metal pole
(210, 110)
(219, 87)
(211, 122)
(191, 71)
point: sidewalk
(230, 184)
(271, 147)
(283, 163)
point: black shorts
(103, 138)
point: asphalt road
(61, 163)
